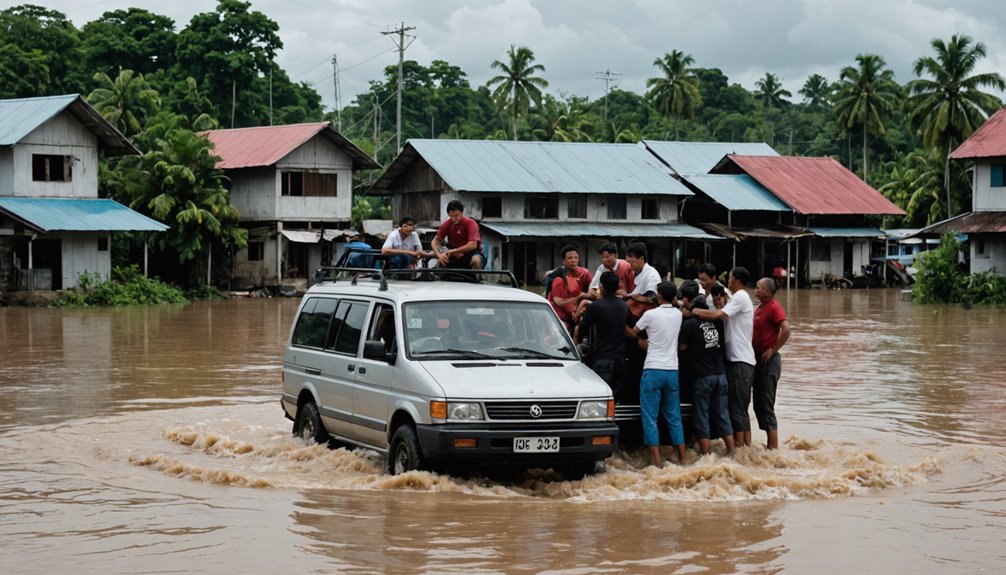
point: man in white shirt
(644, 295)
(738, 317)
(658, 388)
(403, 245)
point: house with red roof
(832, 216)
(293, 186)
(985, 224)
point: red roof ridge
(988, 141)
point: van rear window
(312, 325)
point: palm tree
(867, 97)
(949, 104)
(125, 102)
(914, 187)
(677, 92)
(771, 92)
(517, 86)
(816, 91)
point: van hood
(516, 379)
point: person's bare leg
(681, 453)
(476, 263)
(704, 446)
(654, 455)
(739, 438)
(773, 439)
(729, 440)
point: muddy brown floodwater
(151, 440)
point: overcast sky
(577, 39)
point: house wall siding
(80, 255)
(254, 193)
(987, 198)
(6, 171)
(62, 135)
(994, 256)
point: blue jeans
(710, 407)
(399, 262)
(658, 395)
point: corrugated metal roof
(20, 117)
(848, 232)
(970, 223)
(596, 230)
(742, 233)
(689, 158)
(537, 167)
(815, 185)
(737, 192)
(265, 145)
(988, 141)
(77, 215)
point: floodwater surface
(151, 440)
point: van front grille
(521, 410)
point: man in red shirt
(771, 331)
(570, 288)
(462, 234)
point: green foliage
(940, 278)
(51, 46)
(986, 287)
(517, 86)
(676, 92)
(125, 102)
(128, 286)
(132, 39)
(867, 97)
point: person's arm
(783, 338)
(463, 249)
(564, 299)
(707, 314)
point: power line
(401, 30)
(315, 83)
(609, 78)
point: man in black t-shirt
(700, 346)
(603, 323)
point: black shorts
(465, 261)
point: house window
(616, 207)
(256, 251)
(46, 168)
(651, 209)
(998, 175)
(576, 206)
(492, 207)
(292, 183)
(102, 244)
(541, 207)
(320, 185)
(979, 246)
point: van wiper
(533, 352)
(464, 353)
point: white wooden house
(293, 188)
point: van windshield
(484, 330)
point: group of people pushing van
(637, 328)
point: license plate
(535, 444)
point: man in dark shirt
(701, 347)
(604, 323)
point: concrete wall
(986, 198)
(994, 253)
(62, 135)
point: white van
(439, 373)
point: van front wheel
(405, 454)
(309, 425)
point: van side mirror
(374, 349)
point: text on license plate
(535, 444)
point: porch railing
(32, 279)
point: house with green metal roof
(53, 226)
(531, 198)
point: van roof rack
(497, 277)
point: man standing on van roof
(738, 315)
(403, 245)
(462, 233)
(771, 331)
(658, 388)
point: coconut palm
(816, 91)
(771, 92)
(676, 92)
(948, 104)
(517, 86)
(867, 97)
(914, 186)
(125, 102)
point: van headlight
(467, 411)
(593, 410)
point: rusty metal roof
(688, 158)
(778, 232)
(813, 186)
(988, 141)
(264, 146)
(20, 117)
(500, 166)
(969, 223)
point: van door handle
(352, 367)
(362, 370)
(312, 371)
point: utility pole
(609, 77)
(377, 126)
(338, 94)
(401, 30)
